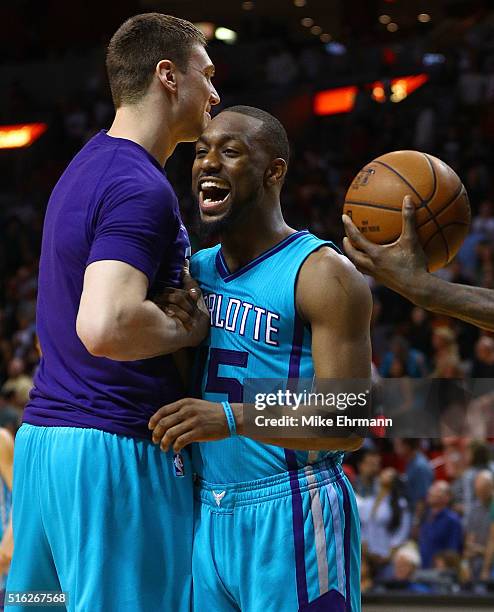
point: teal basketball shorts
(286, 543)
(103, 518)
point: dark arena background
(350, 80)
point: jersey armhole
(298, 316)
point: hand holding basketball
(400, 265)
(442, 211)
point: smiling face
(228, 175)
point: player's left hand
(186, 421)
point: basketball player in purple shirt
(99, 511)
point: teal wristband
(230, 419)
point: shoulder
(202, 258)
(329, 280)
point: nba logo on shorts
(178, 465)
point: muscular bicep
(111, 290)
(334, 299)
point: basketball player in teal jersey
(276, 524)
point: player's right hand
(187, 305)
(394, 265)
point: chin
(212, 226)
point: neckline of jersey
(135, 145)
(227, 276)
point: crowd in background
(426, 506)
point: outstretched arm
(402, 266)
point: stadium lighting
(226, 35)
(335, 48)
(307, 22)
(424, 17)
(384, 19)
(342, 99)
(20, 136)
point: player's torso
(255, 333)
(71, 386)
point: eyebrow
(203, 139)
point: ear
(166, 71)
(276, 171)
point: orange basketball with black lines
(375, 198)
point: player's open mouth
(213, 194)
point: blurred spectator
(385, 521)
(441, 527)
(368, 468)
(406, 562)
(483, 222)
(478, 522)
(418, 473)
(419, 331)
(18, 382)
(478, 458)
(483, 363)
(401, 360)
(446, 354)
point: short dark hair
(274, 135)
(139, 44)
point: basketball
(375, 197)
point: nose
(214, 98)
(211, 162)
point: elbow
(97, 337)
(354, 443)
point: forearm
(352, 443)
(473, 305)
(330, 444)
(142, 332)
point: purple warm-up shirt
(112, 202)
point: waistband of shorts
(224, 497)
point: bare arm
(6, 463)
(115, 319)
(335, 300)
(402, 266)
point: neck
(253, 236)
(143, 124)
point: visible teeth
(217, 184)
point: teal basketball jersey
(256, 332)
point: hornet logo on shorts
(218, 497)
